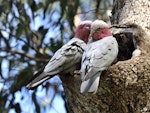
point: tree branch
(6, 41)
(28, 56)
(25, 55)
(84, 12)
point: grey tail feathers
(90, 85)
(38, 79)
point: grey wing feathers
(90, 85)
(96, 60)
(37, 80)
(66, 56)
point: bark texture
(125, 86)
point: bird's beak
(88, 26)
(90, 36)
(91, 33)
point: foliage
(30, 32)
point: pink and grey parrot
(67, 59)
(99, 54)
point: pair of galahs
(93, 48)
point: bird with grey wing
(99, 54)
(67, 59)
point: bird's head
(99, 30)
(83, 30)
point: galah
(67, 59)
(99, 54)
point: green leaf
(25, 48)
(36, 103)
(17, 108)
(19, 30)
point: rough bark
(125, 86)
(135, 13)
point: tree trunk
(125, 86)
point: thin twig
(6, 42)
(20, 40)
(26, 55)
(84, 12)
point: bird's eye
(85, 25)
(99, 29)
